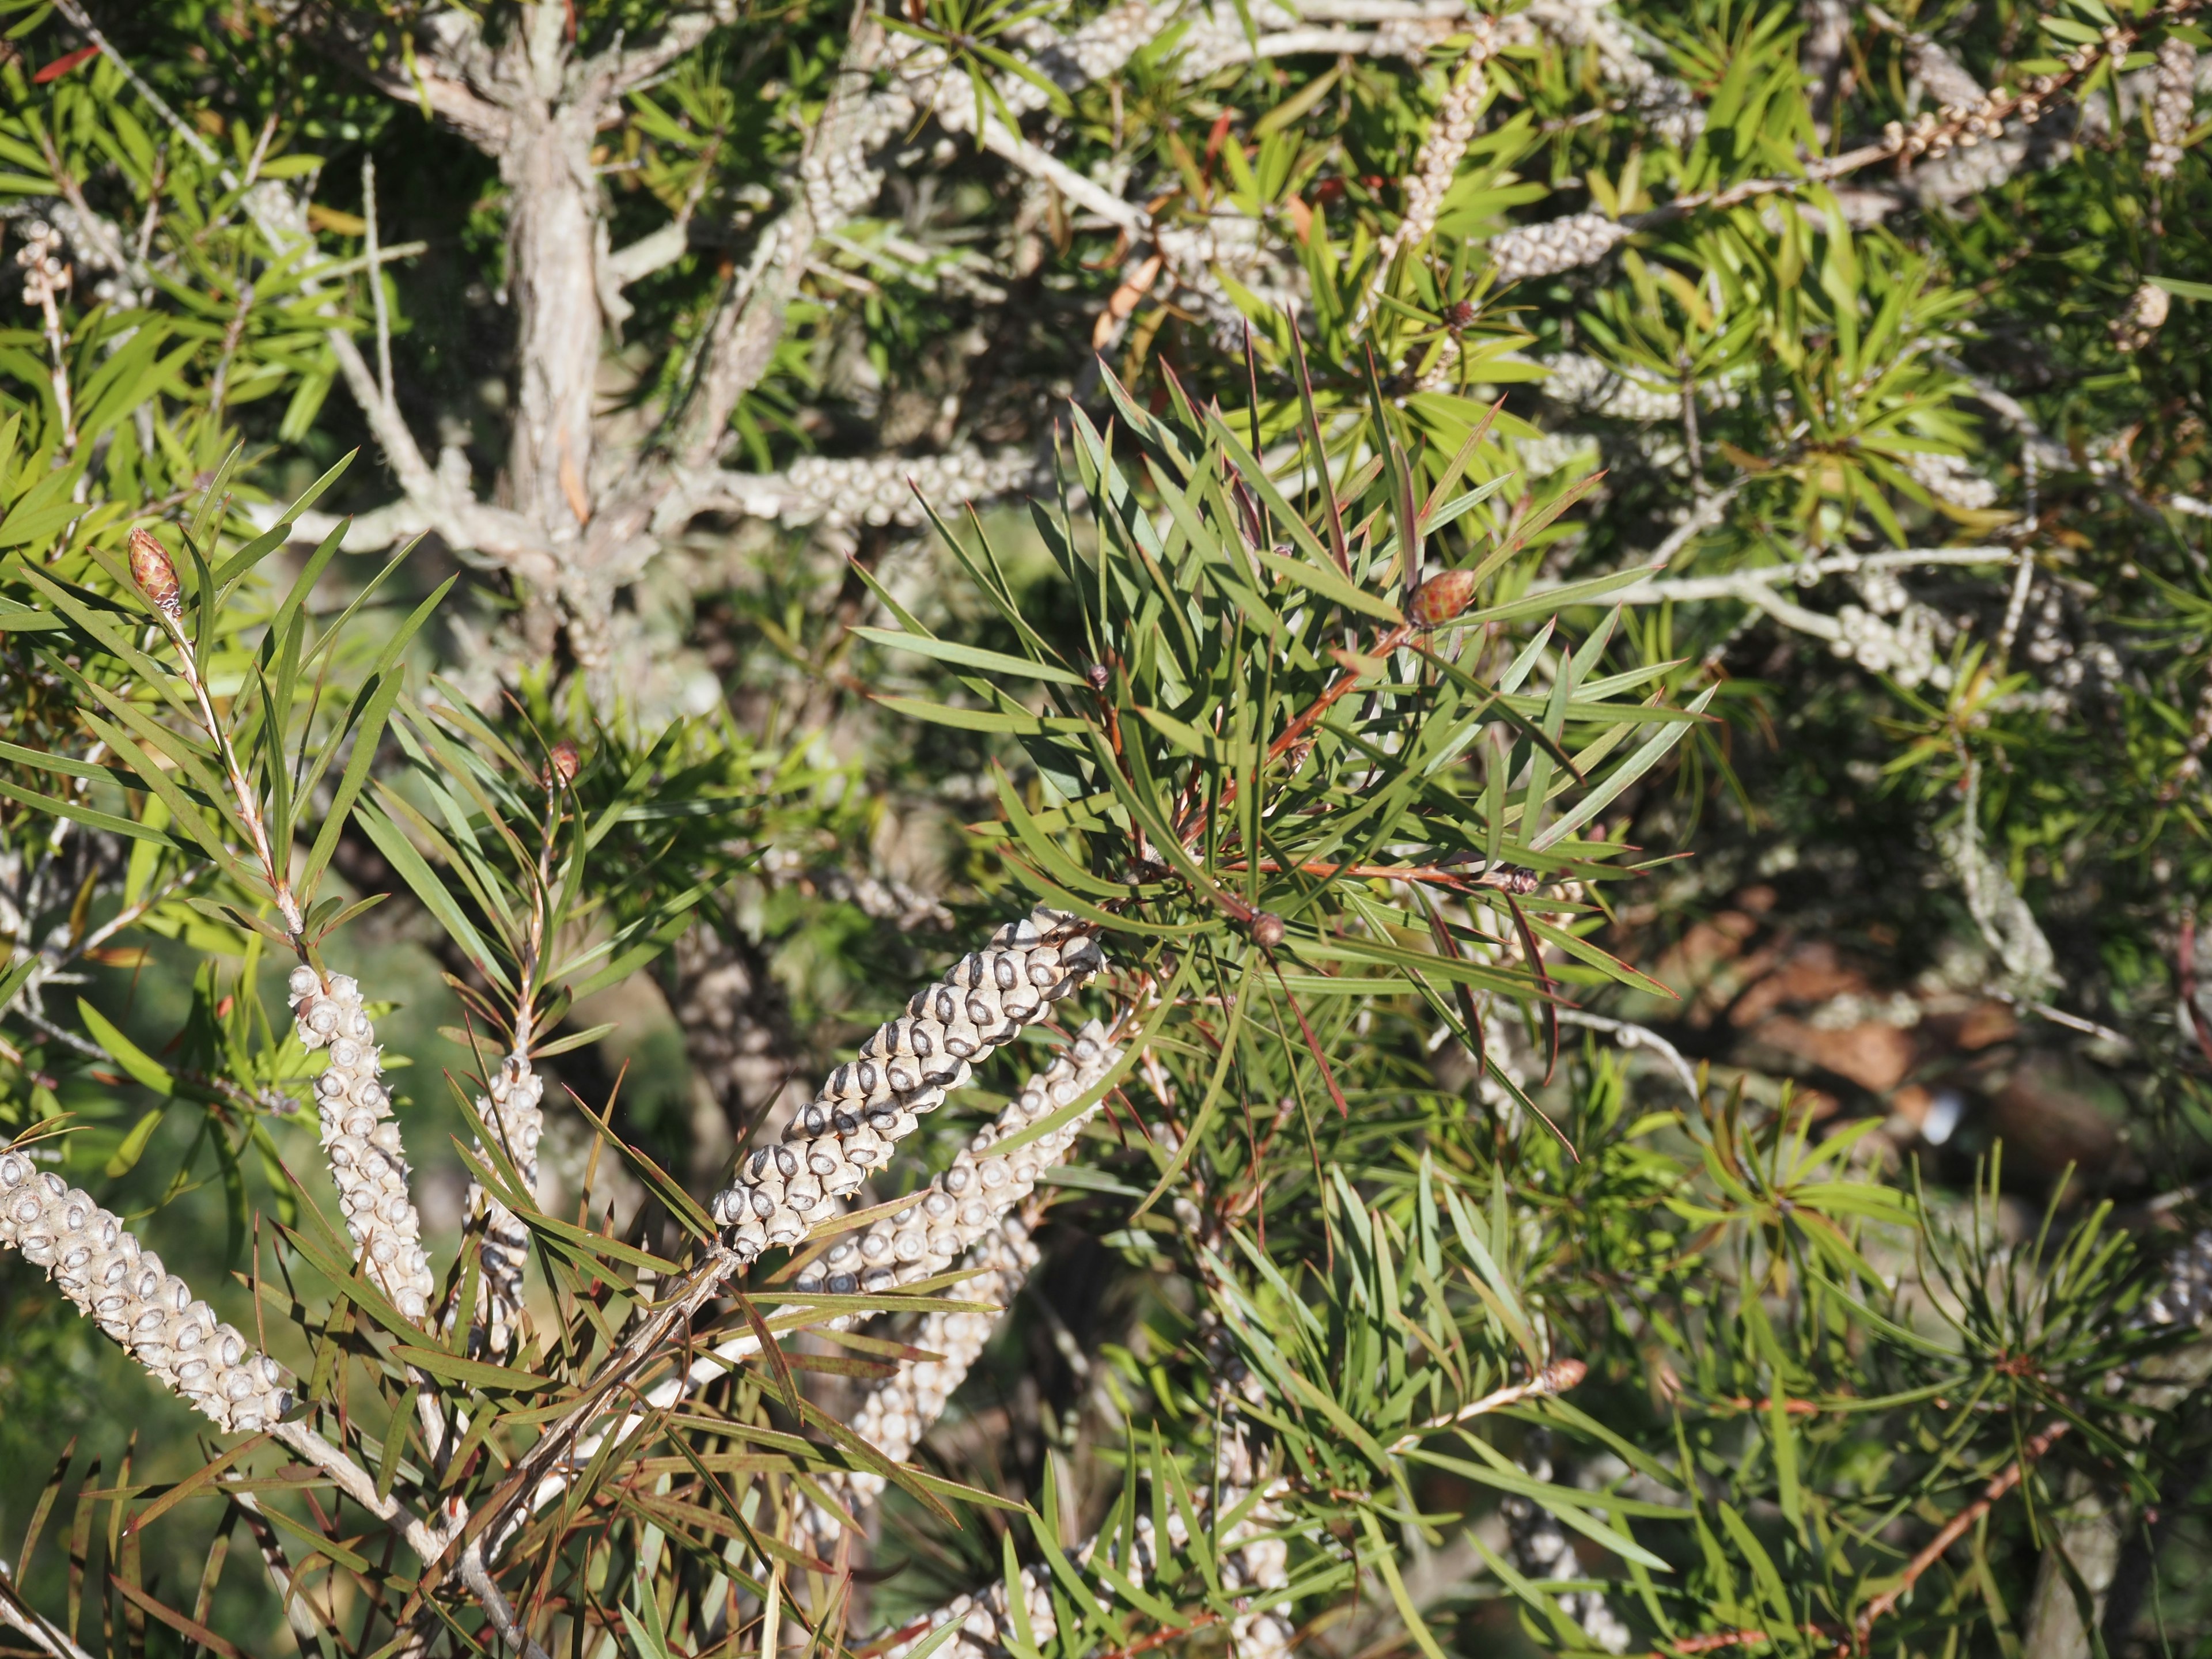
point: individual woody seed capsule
(156, 575)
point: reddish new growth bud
(1559, 1376)
(1441, 597)
(1267, 930)
(562, 764)
(1460, 315)
(151, 568)
(1099, 675)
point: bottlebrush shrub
(1302, 788)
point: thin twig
(376, 277)
(1954, 1531)
(1632, 1036)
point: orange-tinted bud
(1441, 597)
(563, 763)
(156, 576)
(1559, 1376)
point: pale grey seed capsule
(303, 982)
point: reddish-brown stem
(1744, 1403)
(1160, 1638)
(1954, 1529)
(1435, 874)
(1338, 688)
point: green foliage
(1358, 680)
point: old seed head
(1441, 597)
(562, 764)
(1267, 930)
(156, 576)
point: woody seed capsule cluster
(907, 1067)
(1091, 52)
(1944, 78)
(881, 490)
(900, 1409)
(513, 1115)
(123, 1289)
(2185, 1298)
(969, 1207)
(967, 1201)
(1546, 250)
(1449, 135)
(361, 1140)
(2172, 106)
